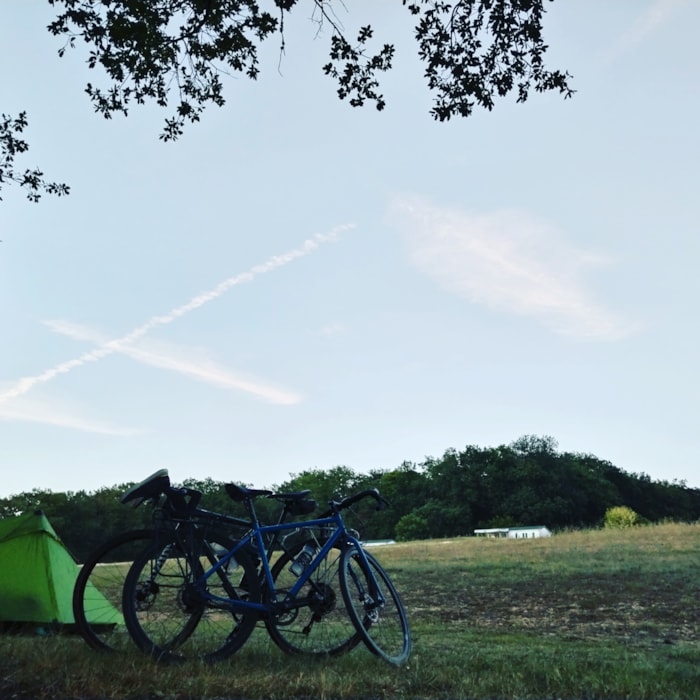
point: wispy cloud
(191, 362)
(60, 414)
(333, 329)
(26, 384)
(510, 261)
(647, 22)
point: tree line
(527, 482)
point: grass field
(598, 614)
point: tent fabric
(37, 574)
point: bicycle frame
(242, 581)
(199, 518)
(256, 535)
(181, 511)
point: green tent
(37, 575)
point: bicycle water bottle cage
(151, 487)
(241, 493)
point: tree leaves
(11, 145)
(175, 51)
(528, 482)
(357, 79)
(477, 50)
(154, 50)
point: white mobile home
(515, 532)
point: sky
(297, 284)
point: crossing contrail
(26, 384)
(171, 358)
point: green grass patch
(581, 615)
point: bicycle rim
(97, 593)
(166, 614)
(375, 607)
(318, 624)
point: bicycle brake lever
(382, 503)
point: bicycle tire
(320, 626)
(97, 592)
(167, 617)
(383, 626)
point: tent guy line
(26, 384)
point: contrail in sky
(201, 368)
(112, 346)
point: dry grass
(639, 585)
(605, 614)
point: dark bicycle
(97, 595)
(199, 594)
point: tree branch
(11, 145)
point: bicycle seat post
(249, 503)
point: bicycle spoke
(375, 607)
(318, 625)
(165, 609)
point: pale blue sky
(299, 284)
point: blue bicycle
(97, 594)
(197, 594)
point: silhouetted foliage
(174, 52)
(12, 145)
(525, 483)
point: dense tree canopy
(174, 53)
(525, 483)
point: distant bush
(412, 526)
(622, 516)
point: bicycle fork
(368, 591)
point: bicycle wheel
(168, 616)
(317, 624)
(375, 607)
(97, 593)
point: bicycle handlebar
(351, 500)
(187, 500)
